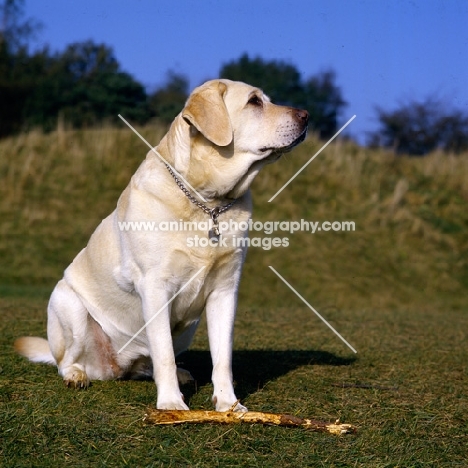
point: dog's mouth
(287, 148)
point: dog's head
(227, 132)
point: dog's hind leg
(181, 343)
(67, 328)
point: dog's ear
(207, 112)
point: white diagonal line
(160, 310)
(312, 158)
(160, 157)
(312, 309)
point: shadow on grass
(253, 369)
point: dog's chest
(192, 274)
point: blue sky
(384, 52)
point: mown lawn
(396, 289)
(406, 390)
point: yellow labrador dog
(132, 299)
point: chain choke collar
(214, 213)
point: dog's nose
(302, 116)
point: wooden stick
(165, 417)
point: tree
(324, 103)
(453, 131)
(279, 80)
(419, 127)
(166, 102)
(85, 86)
(16, 79)
(282, 82)
(14, 30)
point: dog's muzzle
(301, 118)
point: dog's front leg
(156, 313)
(220, 313)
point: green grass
(396, 289)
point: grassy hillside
(396, 288)
(410, 245)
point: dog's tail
(35, 349)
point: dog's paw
(76, 378)
(238, 408)
(172, 405)
(229, 406)
(184, 376)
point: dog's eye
(255, 101)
